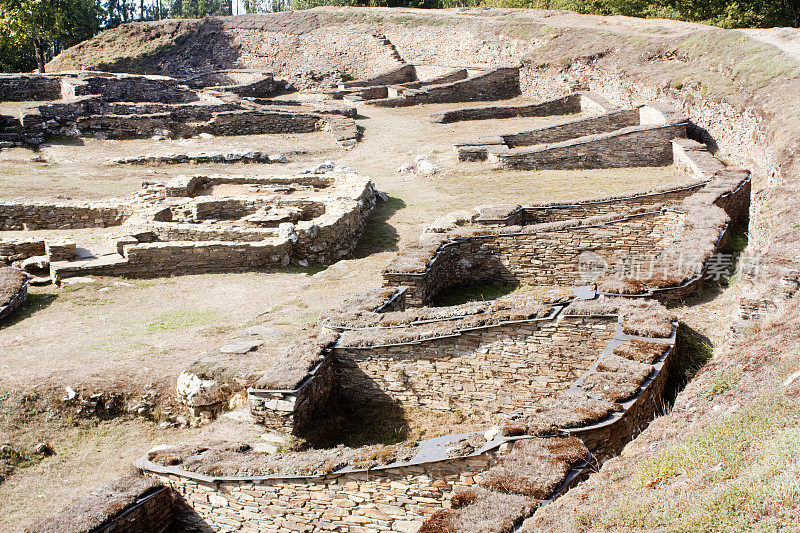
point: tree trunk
(39, 52)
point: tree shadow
(378, 235)
(206, 48)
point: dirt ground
(134, 335)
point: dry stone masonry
(198, 224)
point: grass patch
(378, 235)
(461, 294)
(719, 452)
(693, 353)
(726, 380)
(176, 320)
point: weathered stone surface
(196, 392)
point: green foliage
(45, 26)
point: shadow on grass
(34, 304)
(692, 351)
(463, 293)
(379, 235)
(356, 424)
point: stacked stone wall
(29, 87)
(635, 146)
(290, 410)
(58, 215)
(564, 105)
(496, 84)
(18, 249)
(391, 500)
(605, 123)
(507, 369)
(555, 213)
(537, 258)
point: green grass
(695, 351)
(461, 294)
(726, 380)
(378, 235)
(176, 320)
(719, 452)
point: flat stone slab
(241, 346)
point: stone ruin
(561, 377)
(197, 224)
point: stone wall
(18, 249)
(570, 211)
(29, 87)
(290, 410)
(634, 146)
(401, 74)
(493, 85)
(127, 88)
(60, 215)
(537, 257)
(380, 500)
(505, 369)
(605, 123)
(222, 123)
(564, 105)
(151, 514)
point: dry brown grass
(238, 459)
(610, 385)
(295, 362)
(92, 510)
(535, 467)
(646, 318)
(404, 328)
(641, 351)
(442, 521)
(11, 282)
(494, 512)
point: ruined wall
(635, 146)
(560, 212)
(391, 500)
(29, 87)
(496, 84)
(59, 215)
(606, 123)
(17, 249)
(495, 370)
(537, 257)
(564, 105)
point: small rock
(205, 136)
(241, 346)
(165, 424)
(426, 167)
(405, 168)
(44, 449)
(491, 433)
(277, 158)
(382, 196)
(70, 394)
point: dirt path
(786, 39)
